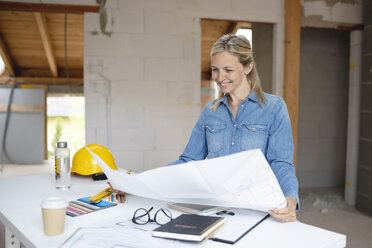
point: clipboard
(239, 225)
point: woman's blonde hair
(239, 46)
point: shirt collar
(224, 100)
(252, 97)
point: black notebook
(189, 227)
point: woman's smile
(229, 73)
(224, 85)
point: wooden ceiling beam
(239, 25)
(47, 44)
(42, 80)
(52, 8)
(6, 57)
(232, 28)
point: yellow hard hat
(84, 164)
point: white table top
(20, 212)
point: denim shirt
(267, 127)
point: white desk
(21, 214)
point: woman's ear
(248, 68)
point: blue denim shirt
(218, 133)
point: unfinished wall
(142, 71)
(331, 13)
(142, 74)
(142, 67)
(322, 130)
(364, 188)
(323, 107)
(141, 100)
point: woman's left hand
(288, 213)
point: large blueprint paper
(240, 180)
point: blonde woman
(243, 117)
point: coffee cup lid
(54, 203)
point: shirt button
(242, 105)
(232, 143)
(254, 129)
(235, 125)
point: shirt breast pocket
(215, 135)
(254, 136)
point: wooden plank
(45, 73)
(23, 39)
(22, 108)
(47, 44)
(24, 42)
(292, 64)
(54, 8)
(6, 57)
(44, 80)
(232, 28)
(239, 25)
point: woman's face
(228, 72)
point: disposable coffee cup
(54, 212)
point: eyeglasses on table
(225, 212)
(142, 216)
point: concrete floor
(321, 207)
(325, 208)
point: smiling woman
(236, 55)
(231, 77)
(243, 117)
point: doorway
(323, 107)
(259, 34)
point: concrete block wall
(323, 107)
(142, 71)
(364, 187)
(142, 83)
(142, 68)
(142, 74)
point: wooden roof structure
(42, 43)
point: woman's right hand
(115, 190)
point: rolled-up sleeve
(280, 150)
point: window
(247, 32)
(66, 122)
(2, 65)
